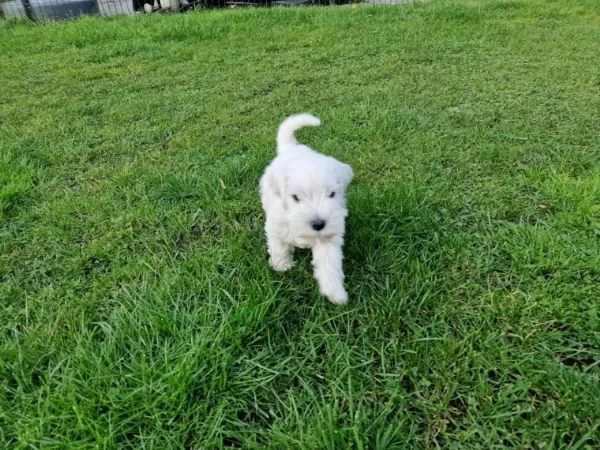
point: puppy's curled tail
(285, 134)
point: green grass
(137, 306)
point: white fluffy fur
(296, 192)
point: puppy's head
(313, 192)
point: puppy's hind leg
(327, 262)
(281, 253)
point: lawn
(137, 308)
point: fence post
(28, 9)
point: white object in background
(116, 7)
(172, 5)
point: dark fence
(65, 9)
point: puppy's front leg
(281, 254)
(327, 262)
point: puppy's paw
(337, 296)
(281, 264)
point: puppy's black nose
(318, 224)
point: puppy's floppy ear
(276, 180)
(344, 174)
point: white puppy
(303, 195)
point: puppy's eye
(332, 195)
(295, 197)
